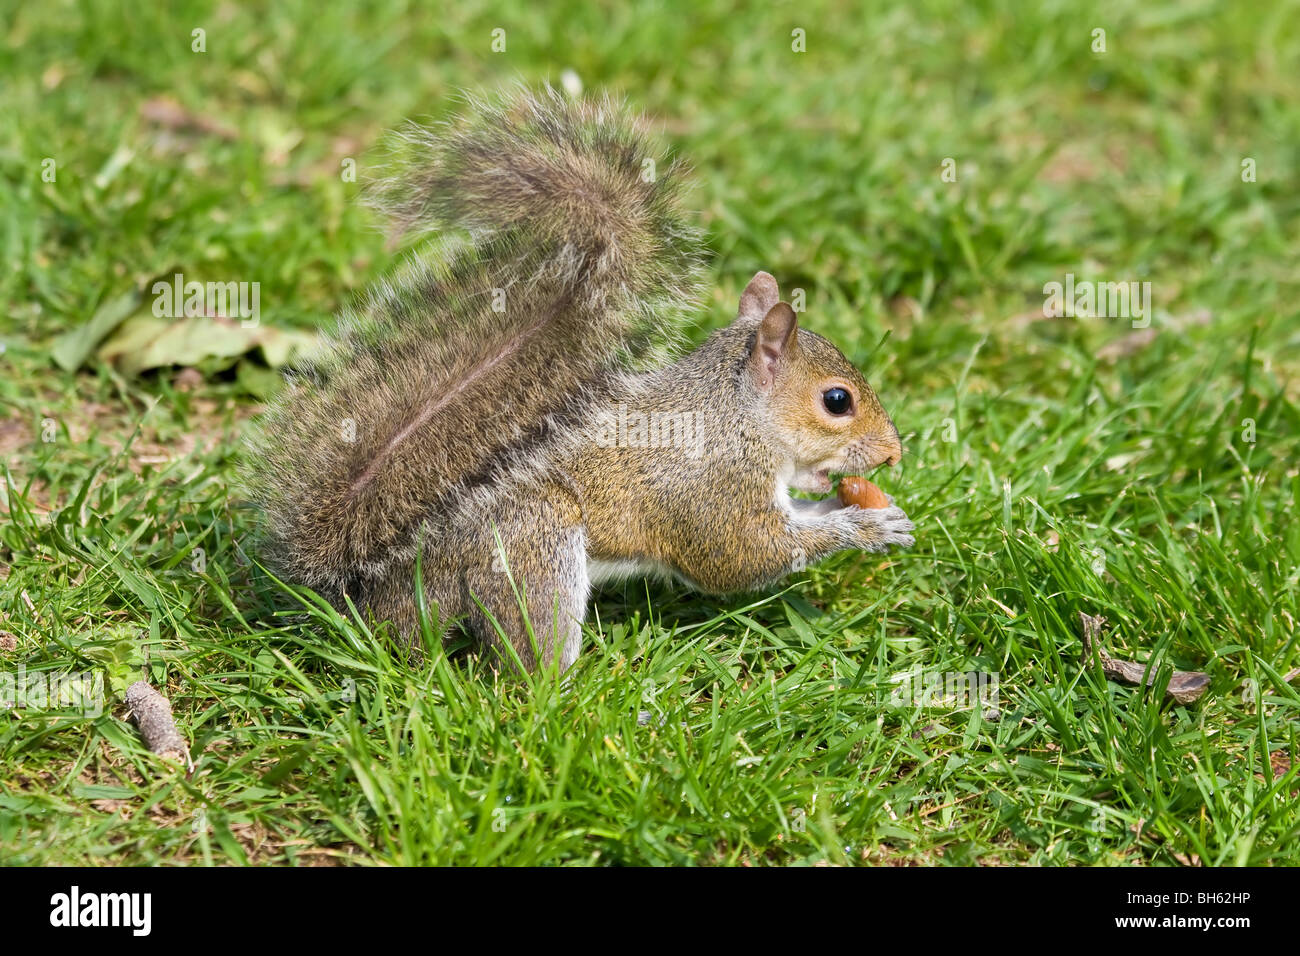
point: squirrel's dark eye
(837, 401)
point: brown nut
(858, 491)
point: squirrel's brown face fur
(814, 396)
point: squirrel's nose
(885, 450)
(892, 448)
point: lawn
(922, 171)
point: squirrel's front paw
(881, 527)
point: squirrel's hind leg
(525, 575)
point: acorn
(855, 490)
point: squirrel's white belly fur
(602, 572)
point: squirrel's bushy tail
(563, 256)
(574, 183)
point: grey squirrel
(505, 410)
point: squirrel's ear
(774, 343)
(759, 296)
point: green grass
(1054, 466)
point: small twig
(1091, 631)
(153, 715)
(1186, 687)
